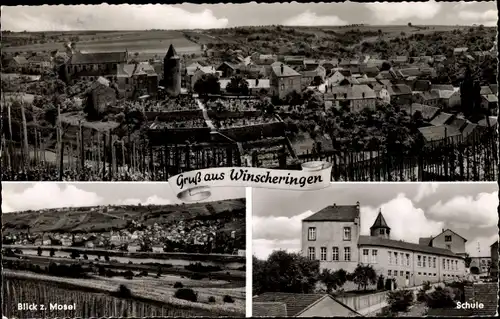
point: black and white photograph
(95, 250)
(382, 91)
(376, 249)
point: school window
(419, 261)
(447, 238)
(390, 257)
(448, 264)
(395, 273)
(365, 255)
(424, 261)
(444, 264)
(335, 254)
(347, 253)
(389, 273)
(282, 87)
(419, 273)
(401, 273)
(311, 233)
(323, 254)
(374, 256)
(312, 253)
(456, 265)
(425, 274)
(347, 233)
(395, 258)
(434, 262)
(407, 259)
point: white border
(249, 252)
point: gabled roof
(269, 309)
(425, 241)
(399, 89)
(20, 59)
(441, 119)
(380, 221)
(99, 57)
(450, 231)
(428, 112)
(171, 53)
(439, 132)
(287, 71)
(397, 244)
(491, 98)
(295, 303)
(335, 213)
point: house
(400, 94)
(399, 60)
(18, 63)
(448, 98)
(99, 97)
(90, 66)
(447, 239)
(387, 75)
(39, 62)
(428, 112)
(281, 304)
(66, 242)
(157, 248)
(481, 263)
(489, 102)
(332, 236)
(439, 133)
(284, 80)
(294, 60)
(357, 97)
(309, 76)
(227, 69)
(431, 98)
(199, 73)
(241, 252)
(494, 260)
(137, 79)
(441, 119)
(265, 59)
(338, 76)
(420, 85)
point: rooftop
(397, 244)
(439, 132)
(283, 70)
(380, 221)
(341, 213)
(269, 309)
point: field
(142, 42)
(85, 219)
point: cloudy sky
(32, 196)
(185, 16)
(412, 210)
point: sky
(37, 196)
(412, 210)
(195, 16)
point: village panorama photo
(95, 250)
(376, 250)
(382, 91)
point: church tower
(380, 228)
(172, 72)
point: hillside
(105, 218)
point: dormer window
(347, 233)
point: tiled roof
(485, 90)
(485, 293)
(428, 112)
(491, 98)
(460, 49)
(142, 68)
(397, 244)
(494, 88)
(441, 118)
(380, 222)
(425, 241)
(269, 309)
(350, 92)
(410, 72)
(335, 213)
(445, 87)
(439, 132)
(432, 95)
(443, 94)
(99, 57)
(457, 122)
(484, 122)
(399, 89)
(287, 71)
(20, 60)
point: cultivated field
(142, 42)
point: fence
(473, 158)
(88, 155)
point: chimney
(282, 68)
(442, 230)
(363, 94)
(334, 204)
(357, 205)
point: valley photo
(122, 250)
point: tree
(52, 252)
(207, 84)
(364, 275)
(333, 279)
(285, 272)
(468, 260)
(75, 254)
(39, 251)
(237, 85)
(386, 66)
(380, 282)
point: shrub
(197, 276)
(123, 291)
(399, 300)
(178, 285)
(441, 298)
(211, 299)
(388, 284)
(144, 273)
(228, 299)
(386, 312)
(186, 294)
(426, 285)
(128, 274)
